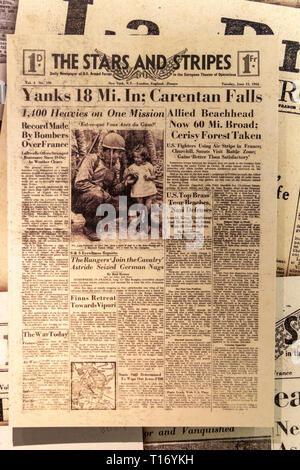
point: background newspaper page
(287, 361)
(102, 17)
(8, 13)
(218, 438)
(292, 4)
(155, 327)
(3, 360)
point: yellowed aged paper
(3, 360)
(286, 432)
(142, 330)
(3, 209)
(221, 17)
(217, 438)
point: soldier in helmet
(96, 182)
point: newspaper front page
(218, 18)
(144, 327)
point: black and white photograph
(107, 165)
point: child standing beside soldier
(141, 175)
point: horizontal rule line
(52, 103)
(141, 86)
(288, 112)
(287, 378)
